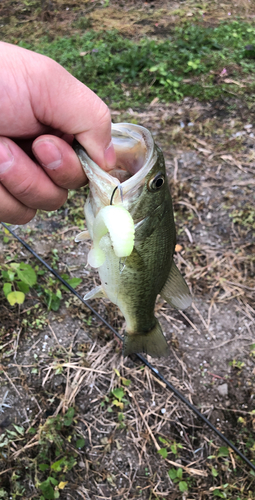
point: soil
(66, 358)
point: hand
(42, 107)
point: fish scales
(133, 282)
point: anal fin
(95, 293)
(175, 290)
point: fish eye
(157, 182)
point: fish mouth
(135, 156)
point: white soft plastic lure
(118, 222)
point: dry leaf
(178, 248)
(229, 80)
(62, 484)
(154, 101)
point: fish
(132, 202)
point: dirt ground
(51, 361)
(211, 359)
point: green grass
(188, 63)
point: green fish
(138, 185)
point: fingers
(59, 161)
(47, 96)
(105, 155)
(62, 102)
(26, 181)
(12, 211)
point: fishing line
(142, 359)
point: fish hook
(114, 191)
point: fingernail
(47, 154)
(6, 157)
(110, 156)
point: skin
(42, 108)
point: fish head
(137, 181)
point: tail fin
(152, 342)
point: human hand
(42, 107)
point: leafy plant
(51, 442)
(117, 399)
(163, 452)
(53, 292)
(17, 278)
(177, 477)
(244, 217)
(220, 492)
(53, 456)
(237, 364)
(172, 445)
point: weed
(236, 364)
(244, 217)
(252, 348)
(53, 458)
(117, 399)
(124, 72)
(172, 446)
(17, 280)
(177, 477)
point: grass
(55, 451)
(197, 61)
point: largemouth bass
(137, 185)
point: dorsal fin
(175, 290)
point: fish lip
(130, 188)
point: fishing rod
(144, 360)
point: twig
(16, 343)
(3, 402)
(32, 347)
(189, 470)
(190, 322)
(220, 345)
(6, 470)
(202, 319)
(55, 336)
(14, 387)
(28, 445)
(191, 207)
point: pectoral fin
(175, 290)
(95, 293)
(84, 235)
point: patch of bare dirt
(27, 20)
